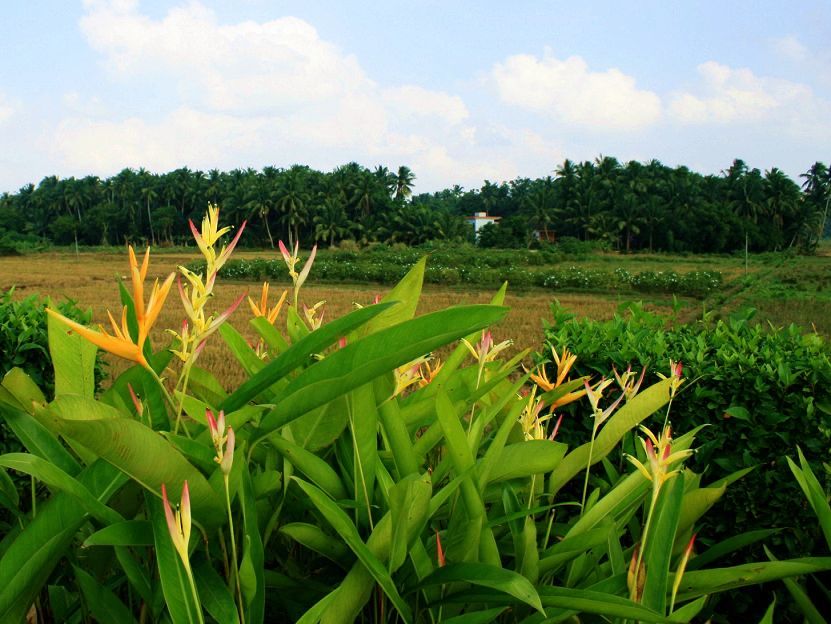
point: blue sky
(459, 91)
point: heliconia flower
(179, 523)
(407, 375)
(304, 273)
(223, 440)
(440, 552)
(659, 456)
(530, 421)
(341, 342)
(428, 373)
(311, 315)
(676, 369)
(596, 393)
(376, 299)
(564, 363)
(262, 309)
(485, 350)
(636, 575)
(289, 258)
(228, 453)
(210, 234)
(120, 343)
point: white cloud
(737, 95)
(413, 102)
(252, 93)
(568, 91)
(7, 109)
(791, 48)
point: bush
(760, 391)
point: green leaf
(768, 617)
(127, 533)
(58, 480)
(736, 411)
(148, 458)
(363, 423)
(522, 460)
(700, 582)
(23, 389)
(730, 545)
(39, 440)
(299, 354)
(658, 550)
(364, 360)
(214, 593)
(476, 617)
(809, 610)
(102, 603)
(312, 537)
(36, 550)
(344, 527)
(239, 348)
(312, 466)
(404, 297)
(489, 576)
(313, 615)
(600, 603)
(253, 552)
(73, 359)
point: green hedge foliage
(762, 391)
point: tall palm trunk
(267, 228)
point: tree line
(626, 206)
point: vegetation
(627, 206)
(350, 475)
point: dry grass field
(89, 278)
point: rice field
(89, 278)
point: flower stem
(235, 561)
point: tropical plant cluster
(627, 206)
(352, 476)
(758, 391)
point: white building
(480, 220)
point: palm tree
(330, 220)
(404, 180)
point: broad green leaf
(489, 576)
(148, 458)
(253, 550)
(814, 493)
(522, 460)
(800, 597)
(476, 617)
(313, 615)
(73, 359)
(126, 533)
(312, 537)
(347, 530)
(363, 424)
(102, 603)
(58, 480)
(366, 359)
(313, 467)
(39, 440)
(697, 583)
(214, 593)
(658, 550)
(24, 390)
(299, 354)
(319, 428)
(404, 297)
(646, 403)
(696, 504)
(271, 335)
(767, 618)
(29, 560)
(135, 572)
(730, 545)
(600, 603)
(240, 349)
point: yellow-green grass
(90, 279)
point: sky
(459, 90)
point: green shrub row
(761, 391)
(338, 267)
